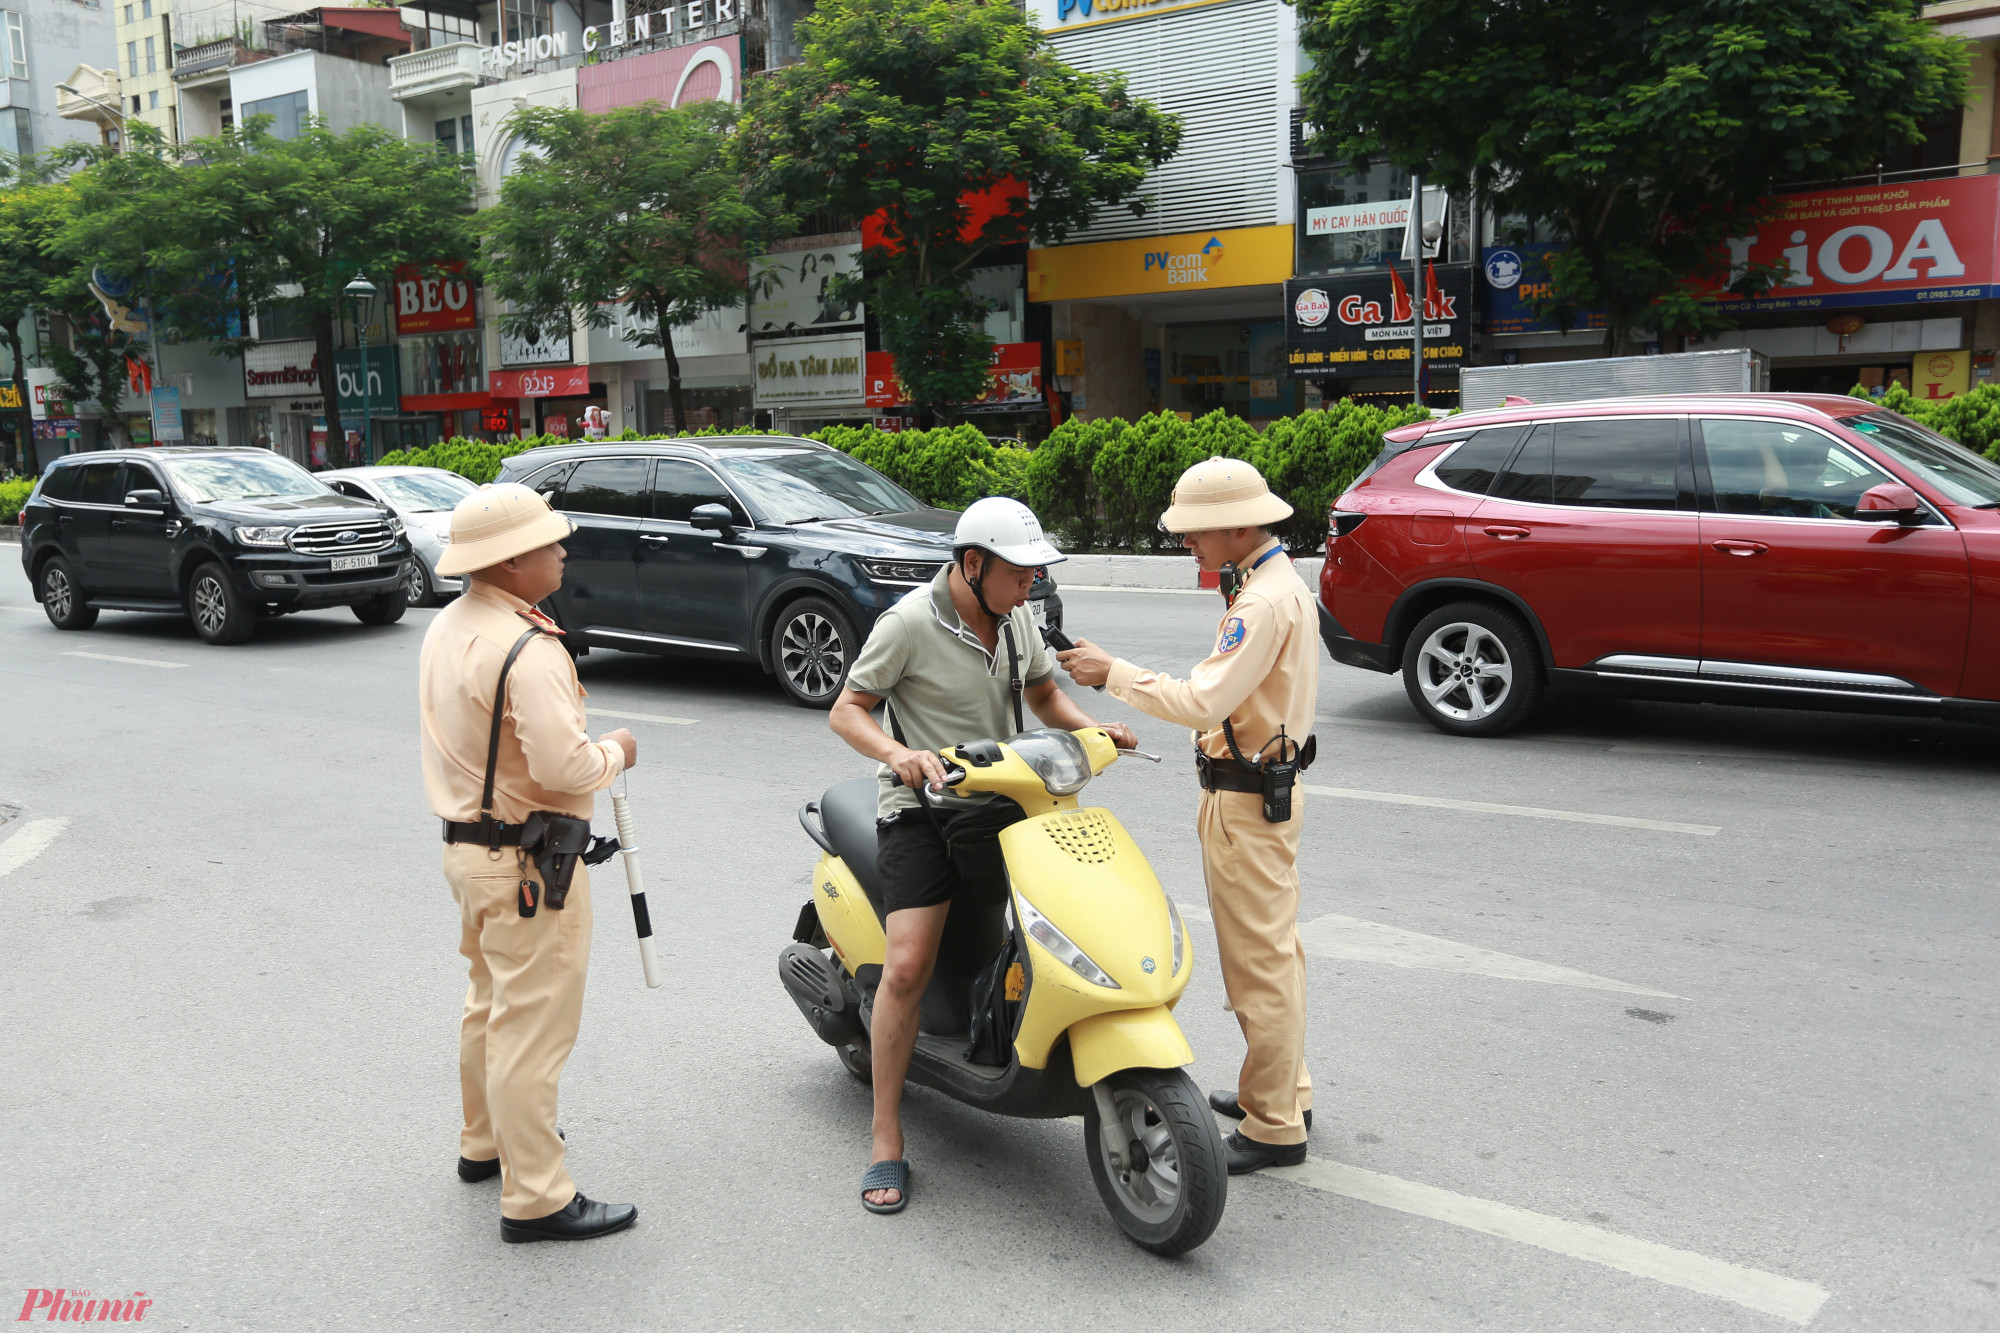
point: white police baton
(635, 881)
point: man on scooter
(956, 660)
(1251, 706)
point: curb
(1173, 573)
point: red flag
(1431, 310)
(138, 377)
(1399, 298)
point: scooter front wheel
(1169, 1191)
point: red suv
(1797, 550)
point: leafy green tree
(222, 226)
(1647, 131)
(900, 110)
(35, 207)
(638, 206)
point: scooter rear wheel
(1169, 1195)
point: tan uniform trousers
(521, 1014)
(1252, 869)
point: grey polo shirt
(941, 683)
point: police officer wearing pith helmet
(1251, 705)
(504, 740)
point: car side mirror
(1891, 502)
(714, 517)
(147, 499)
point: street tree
(91, 351)
(905, 113)
(1647, 132)
(216, 228)
(638, 207)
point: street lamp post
(362, 293)
(1416, 235)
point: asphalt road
(1727, 1065)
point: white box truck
(1724, 370)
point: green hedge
(1096, 484)
(1971, 418)
(14, 494)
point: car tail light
(1341, 522)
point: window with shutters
(1218, 69)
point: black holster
(556, 843)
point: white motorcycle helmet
(1004, 528)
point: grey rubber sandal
(887, 1176)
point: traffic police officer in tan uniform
(528, 959)
(1251, 706)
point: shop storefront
(281, 393)
(714, 366)
(1352, 335)
(551, 400)
(1185, 323)
(808, 347)
(808, 383)
(1891, 283)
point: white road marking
(1524, 811)
(1785, 1297)
(668, 719)
(1171, 592)
(1354, 940)
(24, 610)
(131, 661)
(29, 842)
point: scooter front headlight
(1174, 915)
(1076, 960)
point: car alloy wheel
(1465, 672)
(812, 655)
(58, 594)
(416, 587)
(211, 603)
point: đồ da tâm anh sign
(793, 372)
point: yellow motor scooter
(1078, 969)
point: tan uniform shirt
(1264, 671)
(547, 761)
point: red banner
(1878, 245)
(1017, 378)
(434, 299)
(542, 382)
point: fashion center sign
(689, 20)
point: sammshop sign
(1361, 324)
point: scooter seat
(847, 813)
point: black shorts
(919, 869)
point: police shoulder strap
(487, 822)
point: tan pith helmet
(1223, 493)
(497, 523)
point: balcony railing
(191, 62)
(438, 70)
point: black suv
(752, 548)
(223, 535)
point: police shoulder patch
(1232, 635)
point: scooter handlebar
(954, 773)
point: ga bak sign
(1877, 245)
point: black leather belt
(495, 834)
(1226, 775)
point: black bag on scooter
(993, 1010)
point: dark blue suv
(753, 548)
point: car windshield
(1962, 475)
(425, 492)
(795, 485)
(242, 477)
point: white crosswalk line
(1785, 1297)
(664, 718)
(1524, 811)
(29, 841)
(1354, 940)
(129, 661)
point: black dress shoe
(581, 1220)
(472, 1172)
(1225, 1103)
(1247, 1155)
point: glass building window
(132, 67)
(16, 40)
(431, 29)
(523, 18)
(442, 363)
(152, 59)
(455, 136)
(153, 101)
(287, 111)
(1360, 248)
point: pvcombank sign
(1058, 15)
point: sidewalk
(1160, 573)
